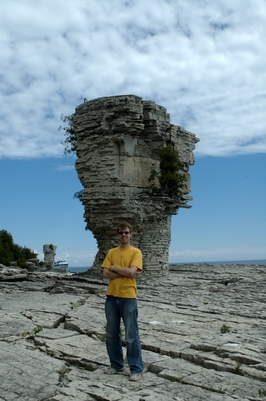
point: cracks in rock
(63, 381)
(61, 320)
(177, 357)
(29, 315)
(234, 366)
(228, 281)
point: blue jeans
(127, 309)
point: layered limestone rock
(202, 331)
(49, 251)
(118, 139)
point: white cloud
(82, 259)
(65, 168)
(203, 61)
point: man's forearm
(124, 271)
(110, 275)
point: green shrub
(171, 181)
(70, 134)
(22, 262)
(177, 379)
(262, 393)
(70, 142)
(37, 329)
(225, 329)
(238, 370)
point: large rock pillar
(118, 139)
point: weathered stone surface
(52, 331)
(12, 273)
(118, 139)
(26, 373)
(49, 251)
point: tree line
(11, 252)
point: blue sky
(204, 61)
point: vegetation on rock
(70, 134)
(70, 141)
(11, 252)
(171, 181)
(225, 329)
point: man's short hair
(124, 225)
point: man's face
(124, 235)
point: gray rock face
(118, 139)
(202, 330)
(49, 251)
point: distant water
(80, 269)
(231, 262)
(225, 262)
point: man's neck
(125, 245)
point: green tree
(5, 257)
(171, 181)
(11, 252)
(16, 251)
(6, 239)
(70, 142)
(70, 134)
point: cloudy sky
(203, 60)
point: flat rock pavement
(202, 328)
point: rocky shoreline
(202, 329)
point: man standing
(121, 266)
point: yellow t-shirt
(123, 287)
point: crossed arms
(117, 271)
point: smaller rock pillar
(49, 251)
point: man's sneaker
(112, 371)
(134, 377)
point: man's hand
(109, 274)
(125, 271)
(117, 271)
